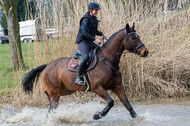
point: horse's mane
(112, 36)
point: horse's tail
(30, 77)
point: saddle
(73, 63)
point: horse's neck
(114, 49)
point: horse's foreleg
(120, 92)
(100, 91)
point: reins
(106, 59)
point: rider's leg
(82, 66)
(84, 49)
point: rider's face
(95, 12)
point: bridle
(135, 49)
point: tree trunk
(10, 9)
(165, 6)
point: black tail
(30, 77)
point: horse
(59, 81)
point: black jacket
(88, 29)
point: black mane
(110, 39)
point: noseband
(135, 49)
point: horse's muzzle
(144, 52)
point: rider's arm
(99, 33)
(85, 25)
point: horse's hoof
(133, 114)
(47, 116)
(97, 116)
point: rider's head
(93, 8)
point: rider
(86, 37)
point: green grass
(7, 76)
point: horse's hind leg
(49, 101)
(53, 101)
(119, 90)
(103, 94)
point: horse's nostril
(145, 53)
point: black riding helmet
(93, 5)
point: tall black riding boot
(79, 78)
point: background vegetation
(164, 73)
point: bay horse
(59, 81)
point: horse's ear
(133, 25)
(127, 27)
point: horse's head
(133, 43)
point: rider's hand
(98, 41)
(104, 36)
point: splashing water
(82, 114)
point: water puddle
(170, 114)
